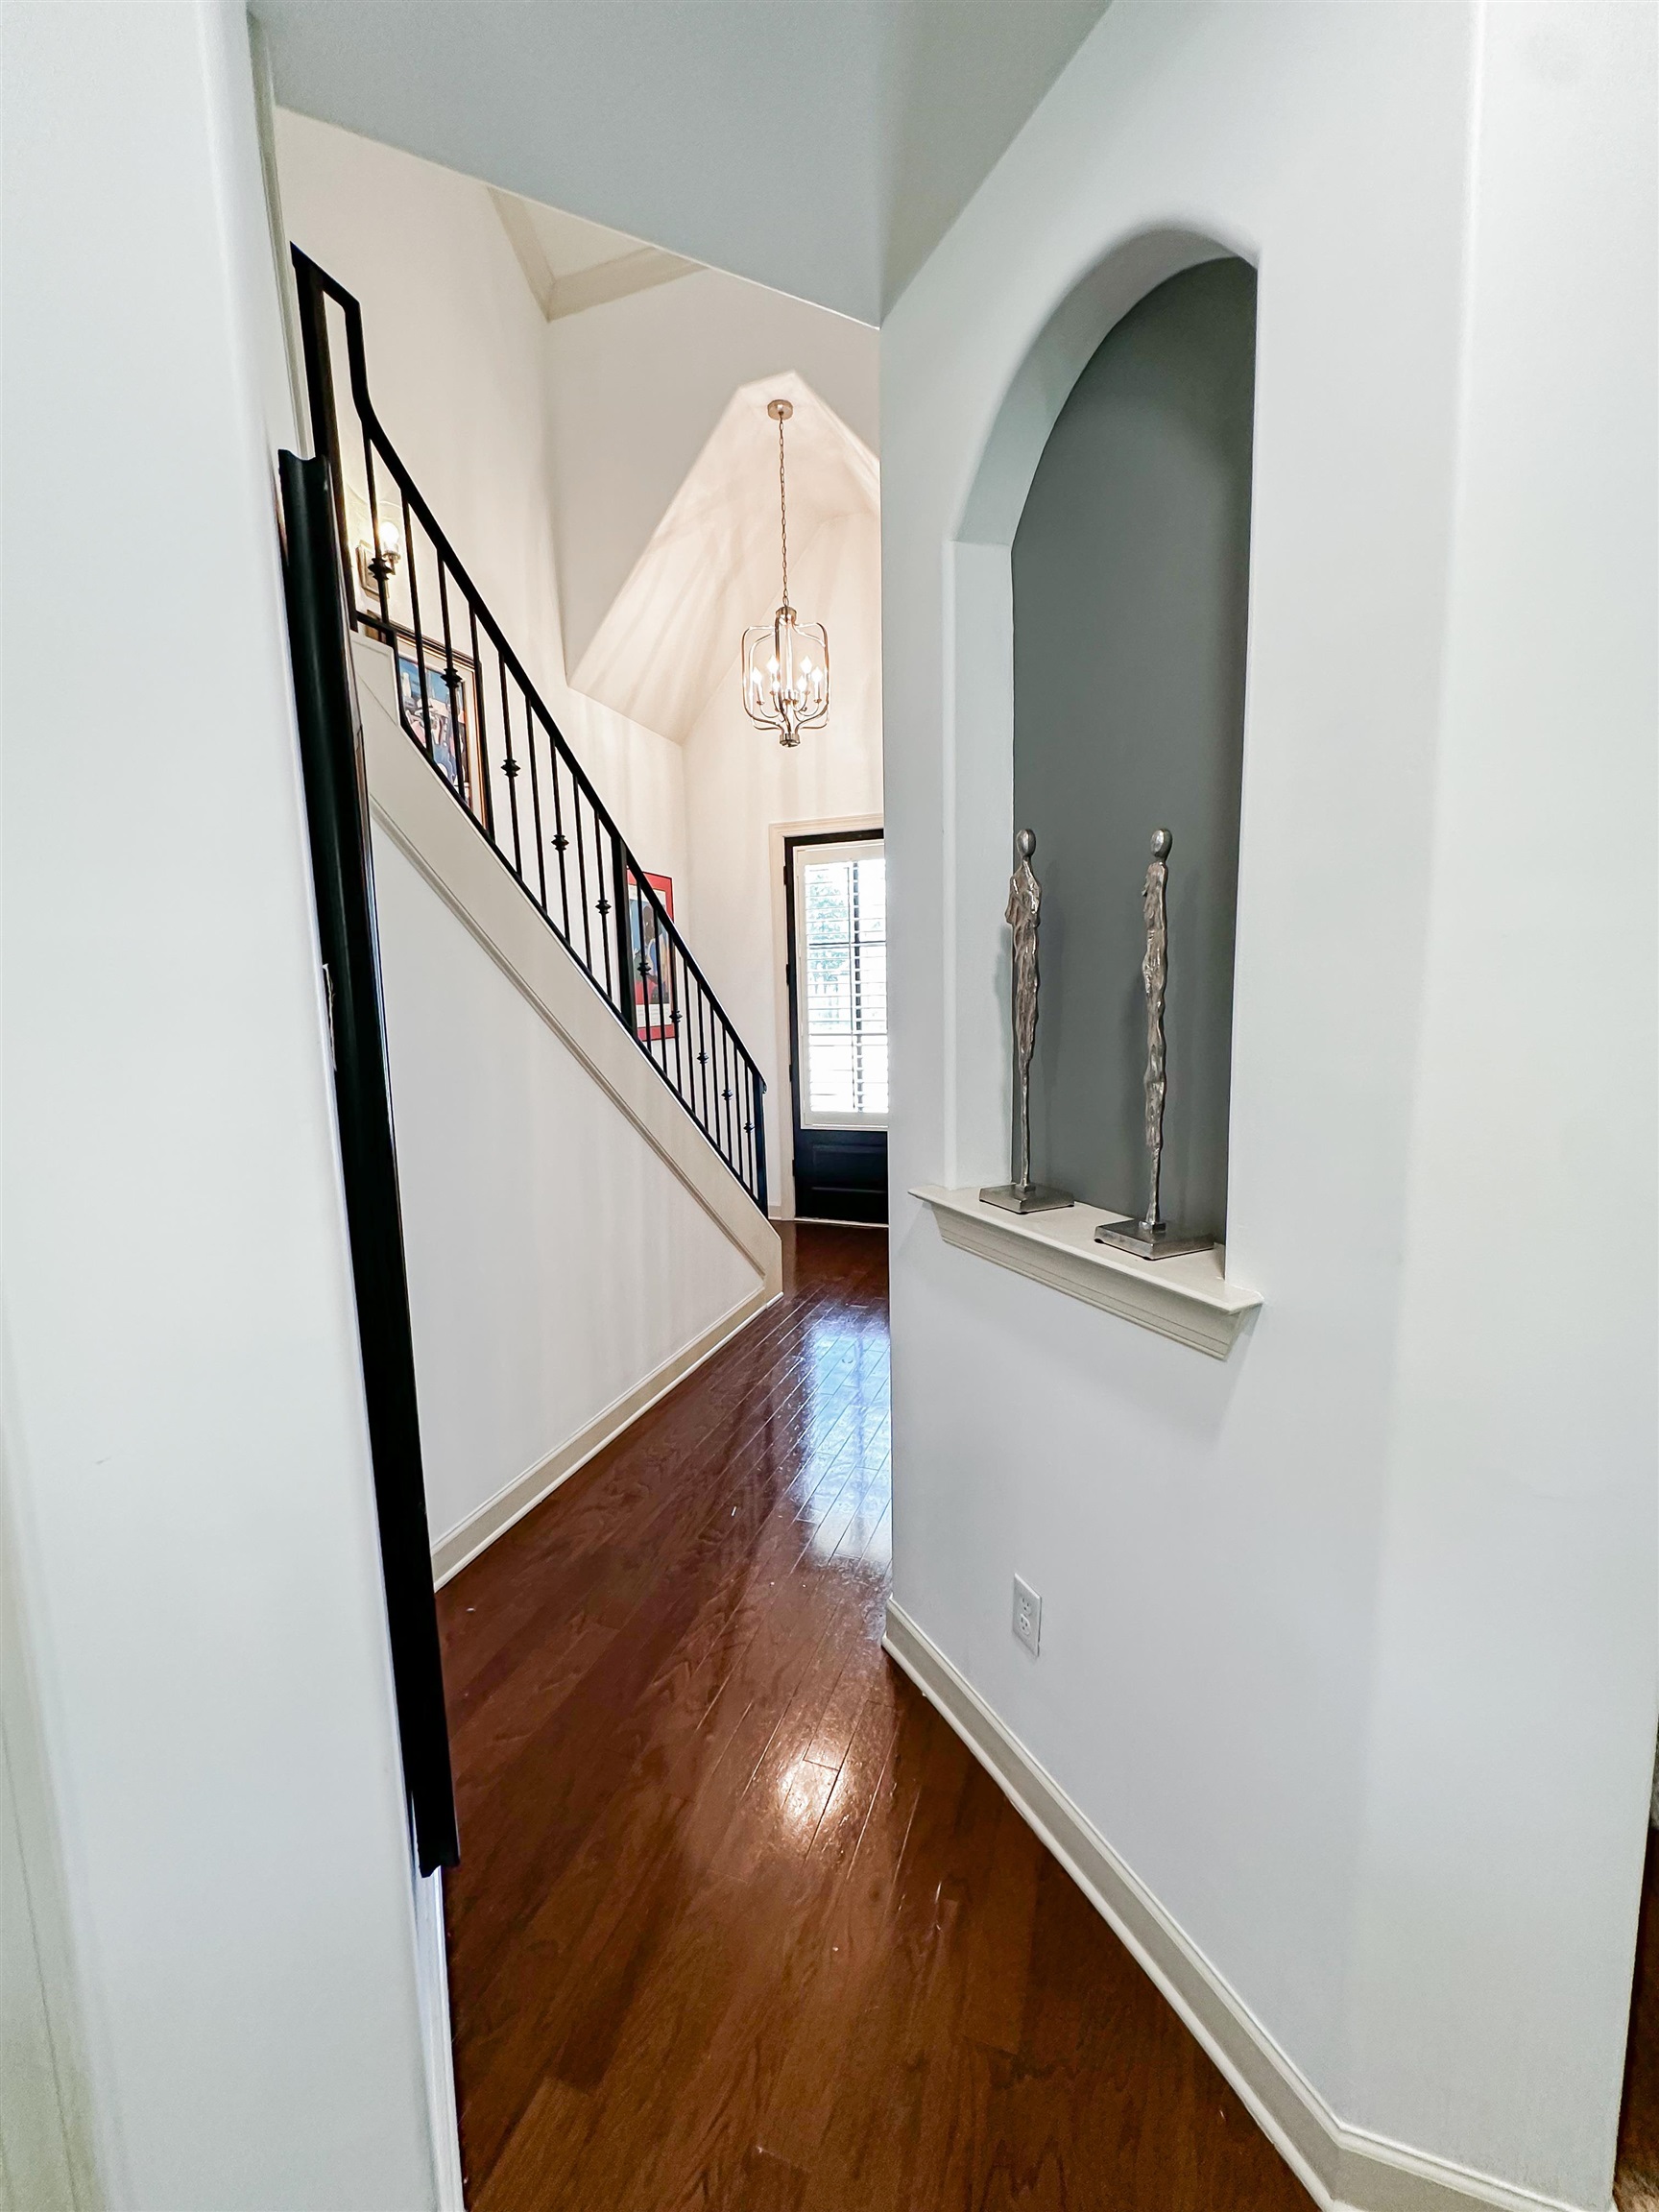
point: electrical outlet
(1028, 1616)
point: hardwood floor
(740, 1925)
(1637, 2188)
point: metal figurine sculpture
(1150, 1237)
(1025, 911)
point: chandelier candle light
(785, 661)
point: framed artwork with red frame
(655, 1012)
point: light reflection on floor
(846, 1471)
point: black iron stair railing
(465, 699)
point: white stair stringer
(419, 814)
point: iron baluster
(582, 896)
(510, 768)
(703, 1062)
(747, 1090)
(559, 841)
(625, 956)
(674, 1020)
(758, 1190)
(379, 570)
(484, 775)
(535, 799)
(452, 679)
(419, 646)
(727, 1148)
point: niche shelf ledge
(1188, 1298)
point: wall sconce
(373, 571)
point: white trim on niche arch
(978, 707)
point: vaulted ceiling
(711, 567)
(571, 264)
(820, 146)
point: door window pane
(843, 985)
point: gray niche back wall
(1131, 583)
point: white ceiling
(823, 147)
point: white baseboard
(498, 1514)
(1345, 2169)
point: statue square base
(1158, 1242)
(1025, 1197)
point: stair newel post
(758, 1092)
(319, 390)
(624, 935)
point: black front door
(836, 894)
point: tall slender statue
(1150, 1237)
(1024, 912)
(1155, 976)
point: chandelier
(785, 661)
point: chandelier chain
(783, 510)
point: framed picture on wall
(655, 1012)
(444, 713)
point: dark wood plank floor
(1637, 2189)
(739, 1924)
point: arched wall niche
(979, 673)
(1054, 360)
(1130, 570)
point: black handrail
(601, 905)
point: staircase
(463, 700)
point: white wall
(184, 1434)
(46, 2163)
(1512, 1695)
(454, 344)
(1348, 1644)
(555, 1260)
